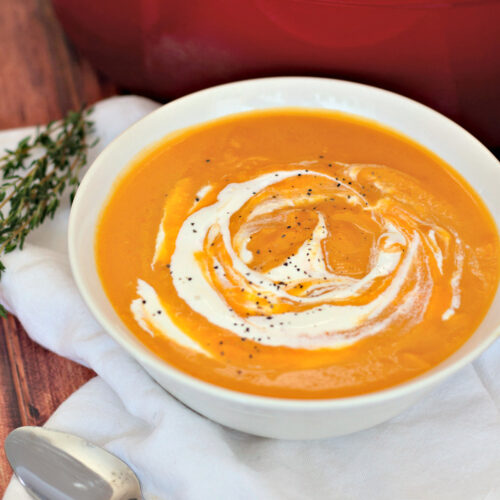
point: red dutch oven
(444, 53)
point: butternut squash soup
(297, 253)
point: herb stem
(36, 174)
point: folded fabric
(445, 447)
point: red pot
(443, 53)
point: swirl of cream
(306, 304)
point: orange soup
(297, 254)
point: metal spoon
(54, 465)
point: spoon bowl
(59, 466)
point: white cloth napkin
(445, 447)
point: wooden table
(41, 77)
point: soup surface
(297, 253)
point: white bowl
(265, 416)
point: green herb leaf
(35, 175)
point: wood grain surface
(41, 78)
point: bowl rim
(146, 358)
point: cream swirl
(303, 301)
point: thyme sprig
(36, 174)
